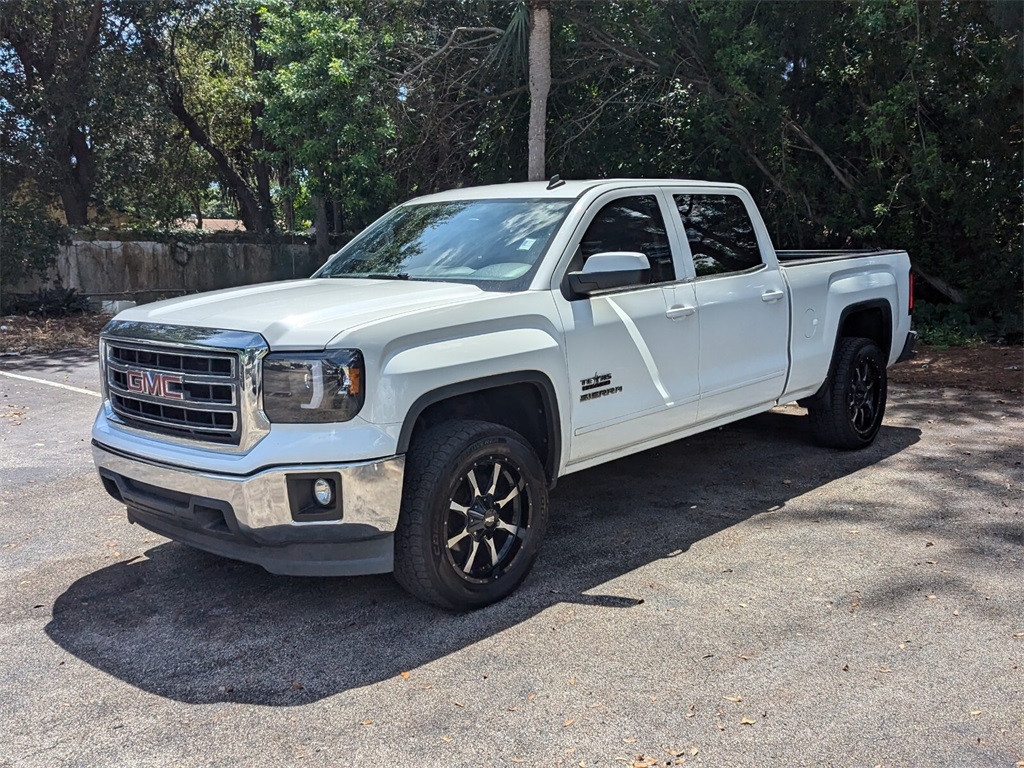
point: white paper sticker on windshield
(527, 244)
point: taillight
(910, 301)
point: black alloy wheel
(474, 512)
(849, 414)
(488, 518)
(865, 394)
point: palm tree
(526, 44)
(540, 84)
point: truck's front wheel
(474, 511)
(850, 412)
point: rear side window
(631, 224)
(720, 233)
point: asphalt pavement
(740, 598)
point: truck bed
(806, 257)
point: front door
(631, 352)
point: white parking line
(34, 380)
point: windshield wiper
(372, 275)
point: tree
(57, 94)
(540, 84)
(205, 61)
(323, 106)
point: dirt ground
(20, 334)
(979, 367)
(987, 367)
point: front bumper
(250, 517)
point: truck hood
(303, 314)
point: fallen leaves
(735, 699)
(404, 675)
(746, 721)
(568, 721)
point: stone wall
(144, 271)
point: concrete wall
(145, 271)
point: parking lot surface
(738, 598)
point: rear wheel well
(873, 321)
(521, 406)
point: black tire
(850, 412)
(474, 511)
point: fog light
(323, 492)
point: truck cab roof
(566, 189)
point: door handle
(674, 313)
(772, 295)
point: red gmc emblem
(154, 383)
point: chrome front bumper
(250, 517)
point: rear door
(631, 352)
(742, 301)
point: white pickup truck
(408, 407)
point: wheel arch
(868, 319)
(533, 413)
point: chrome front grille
(187, 393)
(186, 384)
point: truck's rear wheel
(474, 511)
(850, 412)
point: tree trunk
(79, 168)
(261, 168)
(323, 242)
(339, 218)
(284, 175)
(949, 291)
(254, 215)
(288, 207)
(540, 84)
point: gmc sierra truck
(409, 406)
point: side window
(721, 236)
(630, 224)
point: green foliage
(322, 104)
(894, 123)
(945, 325)
(29, 237)
(53, 302)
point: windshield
(491, 243)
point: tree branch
(487, 32)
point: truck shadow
(199, 629)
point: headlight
(313, 387)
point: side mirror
(612, 269)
